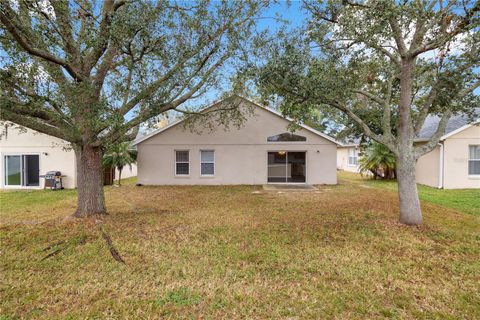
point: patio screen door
(286, 167)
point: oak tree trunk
(90, 200)
(410, 211)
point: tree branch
(366, 129)
(398, 36)
(435, 139)
(16, 32)
(378, 100)
(103, 39)
(32, 123)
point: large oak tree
(386, 65)
(90, 72)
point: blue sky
(292, 16)
(293, 13)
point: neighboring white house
(260, 151)
(26, 154)
(348, 155)
(455, 162)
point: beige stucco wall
(240, 154)
(50, 149)
(342, 160)
(456, 159)
(427, 168)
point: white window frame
(175, 162)
(201, 162)
(469, 159)
(354, 157)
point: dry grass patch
(223, 252)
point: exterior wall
(126, 172)
(240, 154)
(456, 159)
(342, 160)
(428, 167)
(50, 149)
(455, 169)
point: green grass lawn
(218, 252)
(465, 200)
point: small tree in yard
(91, 72)
(119, 156)
(386, 65)
(378, 160)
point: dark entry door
(286, 167)
(31, 171)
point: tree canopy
(82, 70)
(385, 65)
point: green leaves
(351, 56)
(113, 65)
(120, 155)
(379, 160)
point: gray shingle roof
(351, 141)
(431, 124)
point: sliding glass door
(31, 170)
(22, 170)
(13, 170)
(286, 167)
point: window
(474, 160)
(207, 162)
(284, 137)
(182, 162)
(352, 157)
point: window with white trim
(352, 157)
(474, 160)
(207, 162)
(182, 162)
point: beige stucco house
(455, 162)
(26, 154)
(260, 151)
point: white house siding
(127, 172)
(240, 154)
(455, 167)
(428, 167)
(51, 151)
(342, 159)
(456, 159)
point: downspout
(440, 167)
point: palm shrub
(378, 160)
(118, 156)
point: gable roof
(349, 142)
(455, 125)
(276, 113)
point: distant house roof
(351, 142)
(321, 134)
(454, 125)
